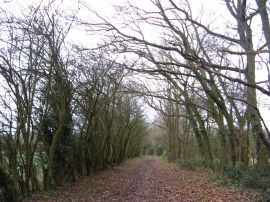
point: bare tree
(194, 46)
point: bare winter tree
(210, 56)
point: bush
(234, 172)
(252, 179)
(204, 163)
(249, 178)
(267, 194)
(187, 164)
(192, 164)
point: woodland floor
(146, 179)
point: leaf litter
(145, 179)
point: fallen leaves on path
(144, 180)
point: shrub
(252, 179)
(192, 164)
(188, 165)
(267, 194)
(233, 172)
(249, 178)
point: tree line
(64, 109)
(210, 71)
(71, 109)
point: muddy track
(145, 180)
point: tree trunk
(9, 192)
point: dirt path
(145, 180)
